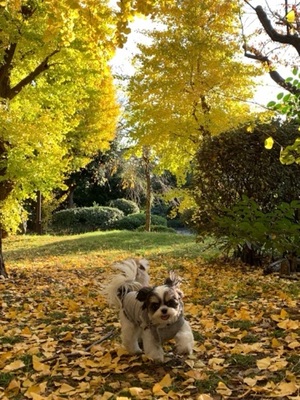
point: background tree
(188, 83)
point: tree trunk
(38, 221)
(72, 188)
(3, 271)
(148, 189)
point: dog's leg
(152, 349)
(130, 335)
(184, 339)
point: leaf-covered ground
(59, 340)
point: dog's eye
(172, 303)
(154, 306)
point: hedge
(127, 206)
(85, 219)
(134, 221)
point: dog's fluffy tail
(132, 276)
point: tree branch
(5, 68)
(43, 66)
(254, 54)
(292, 40)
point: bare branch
(254, 54)
(292, 40)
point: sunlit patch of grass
(150, 244)
(294, 289)
(242, 360)
(198, 337)
(11, 339)
(62, 328)
(294, 364)
(5, 379)
(250, 339)
(27, 360)
(240, 324)
(209, 384)
(279, 333)
(57, 315)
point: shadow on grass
(152, 243)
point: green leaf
(280, 96)
(287, 97)
(269, 142)
(295, 71)
(271, 104)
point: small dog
(151, 314)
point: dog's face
(163, 303)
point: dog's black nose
(164, 310)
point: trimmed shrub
(85, 219)
(134, 221)
(127, 206)
(157, 228)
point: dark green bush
(274, 232)
(157, 228)
(134, 221)
(235, 166)
(85, 219)
(160, 207)
(127, 206)
(176, 223)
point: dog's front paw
(156, 355)
(132, 348)
(184, 349)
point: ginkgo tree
(57, 100)
(189, 81)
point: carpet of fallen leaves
(59, 340)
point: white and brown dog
(151, 314)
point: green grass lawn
(108, 244)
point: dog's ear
(143, 264)
(173, 280)
(143, 293)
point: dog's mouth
(165, 317)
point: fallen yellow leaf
(284, 389)
(264, 363)
(278, 365)
(65, 388)
(67, 337)
(288, 324)
(204, 397)
(157, 390)
(26, 331)
(40, 367)
(14, 366)
(294, 344)
(135, 391)
(223, 390)
(250, 381)
(276, 343)
(166, 381)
